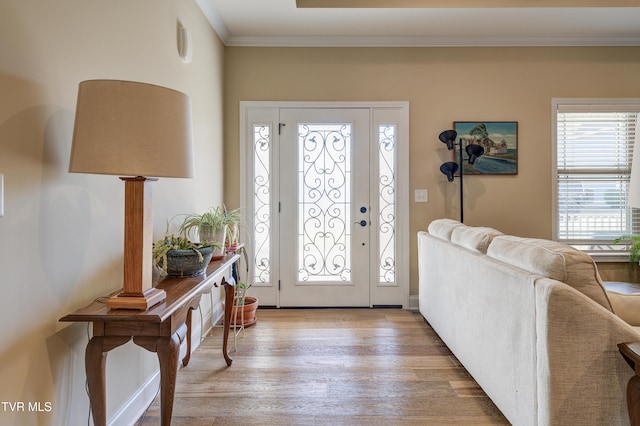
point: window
(593, 141)
(387, 203)
(261, 144)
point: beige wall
(442, 85)
(61, 235)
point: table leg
(168, 350)
(95, 359)
(631, 353)
(168, 353)
(187, 356)
(633, 400)
(228, 308)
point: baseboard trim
(414, 302)
(131, 411)
(134, 408)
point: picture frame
(499, 140)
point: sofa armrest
(581, 376)
(625, 300)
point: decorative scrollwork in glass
(387, 202)
(324, 200)
(262, 203)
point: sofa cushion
(554, 260)
(442, 228)
(625, 300)
(474, 238)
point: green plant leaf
(633, 241)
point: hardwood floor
(329, 367)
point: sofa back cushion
(442, 228)
(474, 238)
(554, 260)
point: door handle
(361, 223)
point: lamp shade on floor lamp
(140, 132)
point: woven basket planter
(187, 263)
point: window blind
(594, 150)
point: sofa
(531, 321)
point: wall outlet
(421, 196)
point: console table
(159, 329)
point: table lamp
(140, 132)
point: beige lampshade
(634, 185)
(127, 128)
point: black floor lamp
(451, 167)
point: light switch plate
(421, 196)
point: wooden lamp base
(139, 302)
(138, 292)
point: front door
(325, 199)
(324, 207)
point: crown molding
(327, 41)
(215, 20)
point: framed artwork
(499, 140)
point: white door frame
(269, 294)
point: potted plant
(232, 219)
(210, 227)
(634, 247)
(179, 257)
(244, 307)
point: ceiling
(425, 22)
